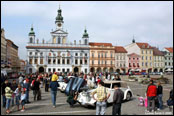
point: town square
(86, 58)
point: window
(111, 54)
(54, 70)
(105, 55)
(68, 70)
(81, 61)
(111, 62)
(54, 61)
(146, 57)
(98, 61)
(102, 55)
(76, 54)
(68, 61)
(76, 61)
(133, 58)
(150, 57)
(92, 62)
(86, 61)
(41, 61)
(146, 64)
(86, 41)
(86, 54)
(129, 64)
(41, 54)
(146, 51)
(137, 58)
(30, 53)
(63, 70)
(36, 53)
(49, 61)
(63, 61)
(59, 40)
(30, 61)
(129, 58)
(142, 51)
(81, 54)
(98, 55)
(49, 70)
(58, 61)
(92, 55)
(86, 70)
(105, 62)
(31, 40)
(142, 57)
(142, 63)
(58, 69)
(35, 61)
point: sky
(113, 22)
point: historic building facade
(134, 62)
(102, 57)
(158, 60)
(121, 59)
(168, 56)
(3, 49)
(146, 53)
(58, 55)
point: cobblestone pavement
(44, 106)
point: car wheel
(128, 96)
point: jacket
(8, 92)
(53, 85)
(118, 96)
(159, 90)
(151, 90)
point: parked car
(85, 97)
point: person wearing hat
(53, 86)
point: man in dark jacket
(36, 89)
(160, 95)
(117, 100)
(53, 86)
(151, 95)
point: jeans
(151, 103)
(116, 110)
(27, 96)
(17, 100)
(12, 100)
(100, 108)
(160, 101)
(8, 103)
(4, 100)
(53, 97)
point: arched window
(58, 40)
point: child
(18, 95)
(8, 95)
(23, 97)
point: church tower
(31, 35)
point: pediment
(59, 31)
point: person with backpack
(151, 95)
(117, 100)
(53, 85)
(102, 95)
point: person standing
(117, 100)
(13, 87)
(18, 95)
(21, 80)
(53, 86)
(102, 95)
(22, 101)
(4, 85)
(8, 95)
(160, 95)
(27, 86)
(151, 95)
(36, 88)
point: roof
(120, 49)
(99, 44)
(157, 52)
(133, 54)
(170, 49)
(144, 45)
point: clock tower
(59, 36)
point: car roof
(109, 82)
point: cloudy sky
(114, 21)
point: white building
(58, 55)
(168, 55)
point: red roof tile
(170, 49)
(120, 49)
(99, 44)
(157, 52)
(144, 45)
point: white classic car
(85, 97)
(62, 84)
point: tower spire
(133, 41)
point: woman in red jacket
(151, 94)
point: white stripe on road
(47, 113)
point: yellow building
(102, 57)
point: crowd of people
(19, 91)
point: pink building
(133, 62)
